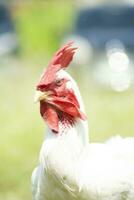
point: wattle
(50, 115)
(60, 109)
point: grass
(22, 128)
(19, 127)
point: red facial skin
(61, 105)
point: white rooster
(71, 168)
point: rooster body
(71, 168)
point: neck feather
(69, 126)
(78, 130)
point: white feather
(71, 168)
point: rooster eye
(59, 82)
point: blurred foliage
(42, 25)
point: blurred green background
(40, 26)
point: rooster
(71, 168)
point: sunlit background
(30, 32)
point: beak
(39, 96)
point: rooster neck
(78, 131)
(74, 129)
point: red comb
(60, 60)
(64, 56)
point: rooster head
(56, 92)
